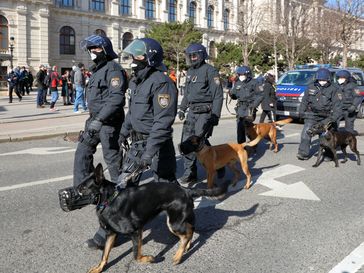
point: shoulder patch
(217, 80)
(164, 100)
(115, 82)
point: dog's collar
(101, 206)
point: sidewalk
(23, 121)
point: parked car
(292, 85)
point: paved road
(294, 219)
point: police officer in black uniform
(269, 102)
(249, 95)
(321, 103)
(106, 99)
(151, 114)
(351, 99)
(203, 97)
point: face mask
(242, 78)
(97, 57)
(341, 80)
(138, 65)
(322, 83)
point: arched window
(212, 50)
(226, 19)
(210, 16)
(98, 5)
(125, 7)
(4, 33)
(100, 32)
(149, 9)
(127, 39)
(192, 12)
(172, 10)
(67, 41)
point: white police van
(292, 85)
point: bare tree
(250, 18)
(296, 26)
(350, 21)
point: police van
(292, 85)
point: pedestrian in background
(55, 82)
(79, 83)
(182, 82)
(12, 80)
(30, 81)
(269, 102)
(64, 92)
(41, 87)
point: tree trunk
(345, 55)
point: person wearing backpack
(55, 79)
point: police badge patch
(115, 82)
(164, 100)
(217, 80)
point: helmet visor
(91, 41)
(137, 49)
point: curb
(51, 135)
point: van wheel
(361, 111)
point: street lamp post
(11, 47)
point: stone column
(202, 17)
(163, 10)
(182, 10)
(220, 16)
(140, 9)
(21, 46)
(44, 36)
(114, 8)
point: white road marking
(34, 183)
(296, 190)
(352, 263)
(291, 135)
(42, 151)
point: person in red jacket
(55, 81)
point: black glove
(94, 126)
(181, 115)
(351, 109)
(233, 96)
(213, 120)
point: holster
(200, 108)
(88, 138)
(136, 136)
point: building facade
(49, 31)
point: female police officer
(152, 111)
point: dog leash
(227, 101)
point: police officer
(106, 98)
(151, 114)
(203, 97)
(321, 103)
(351, 99)
(249, 95)
(269, 102)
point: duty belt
(136, 136)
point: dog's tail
(254, 142)
(283, 121)
(216, 191)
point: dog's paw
(146, 259)
(343, 161)
(315, 165)
(247, 186)
(177, 259)
(95, 269)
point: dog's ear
(99, 174)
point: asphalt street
(294, 219)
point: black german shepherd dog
(128, 210)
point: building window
(98, 5)
(4, 33)
(210, 16)
(172, 10)
(100, 32)
(127, 39)
(67, 41)
(125, 7)
(149, 9)
(226, 19)
(65, 3)
(192, 12)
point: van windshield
(296, 78)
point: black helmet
(194, 50)
(243, 70)
(147, 47)
(323, 74)
(343, 74)
(99, 41)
